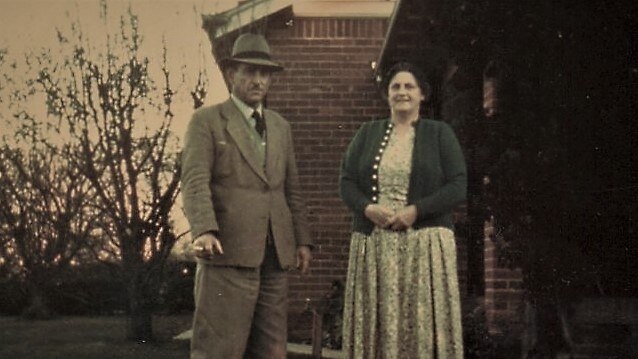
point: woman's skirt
(402, 296)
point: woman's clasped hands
(386, 218)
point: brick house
(330, 52)
(334, 53)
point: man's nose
(260, 76)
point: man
(244, 204)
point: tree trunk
(140, 322)
(38, 308)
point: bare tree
(116, 122)
(46, 222)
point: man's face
(249, 83)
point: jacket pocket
(222, 166)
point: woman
(402, 177)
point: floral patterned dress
(402, 296)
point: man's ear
(229, 73)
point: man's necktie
(260, 124)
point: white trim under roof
(351, 9)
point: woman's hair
(405, 66)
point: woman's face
(404, 93)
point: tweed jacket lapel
(236, 127)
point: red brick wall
(326, 92)
(503, 290)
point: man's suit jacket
(227, 190)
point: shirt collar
(246, 110)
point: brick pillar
(503, 292)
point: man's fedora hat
(251, 49)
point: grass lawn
(93, 338)
(90, 338)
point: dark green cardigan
(438, 181)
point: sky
(31, 24)
(28, 25)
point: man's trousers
(240, 313)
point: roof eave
(217, 25)
(389, 38)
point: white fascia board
(347, 9)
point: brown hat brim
(271, 65)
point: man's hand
(206, 245)
(379, 215)
(403, 219)
(304, 256)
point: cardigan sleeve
(349, 179)
(454, 188)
